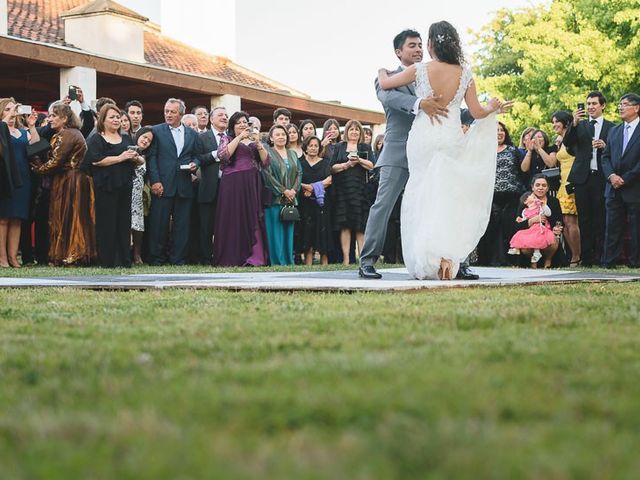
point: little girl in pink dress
(539, 235)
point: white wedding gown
(447, 199)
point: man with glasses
(621, 167)
(586, 139)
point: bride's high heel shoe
(446, 269)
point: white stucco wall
(107, 34)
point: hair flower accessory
(440, 38)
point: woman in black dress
(350, 164)
(493, 246)
(111, 163)
(540, 156)
(315, 203)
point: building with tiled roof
(47, 46)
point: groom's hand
(432, 107)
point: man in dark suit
(209, 174)
(586, 139)
(621, 167)
(172, 158)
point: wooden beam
(67, 57)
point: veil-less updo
(446, 43)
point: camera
(133, 148)
(73, 92)
(580, 106)
(24, 110)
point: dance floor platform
(395, 279)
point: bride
(447, 199)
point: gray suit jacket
(398, 105)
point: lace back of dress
(465, 81)
(423, 88)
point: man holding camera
(586, 139)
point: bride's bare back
(444, 79)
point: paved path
(344, 280)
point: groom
(400, 107)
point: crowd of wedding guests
(101, 188)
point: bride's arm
(388, 82)
(478, 111)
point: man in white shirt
(173, 156)
(208, 186)
(202, 118)
(621, 167)
(586, 140)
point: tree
(547, 57)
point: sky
(329, 50)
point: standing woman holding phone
(111, 159)
(330, 137)
(349, 167)
(16, 208)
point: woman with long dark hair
(493, 246)
(447, 199)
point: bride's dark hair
(446, 43)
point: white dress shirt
(218, 135)
(632, 127)
(178, 137)
(596, 135)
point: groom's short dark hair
(399, 39)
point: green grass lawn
(538, 382)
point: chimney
(106, 28)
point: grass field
(539, 382)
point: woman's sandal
(446, 269)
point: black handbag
(553, 177)
(41, 147)
(289, 213)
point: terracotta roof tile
(39, 20)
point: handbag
(553, 177)
(289, 213)
(40, 147)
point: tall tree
(548, 56)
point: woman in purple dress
(239, 231)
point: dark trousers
(113, 226)
(207, 212)
(617, 210)
(162, 210)
(494, 244)
(591, 217)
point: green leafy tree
(547, 57)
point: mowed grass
(538, 382)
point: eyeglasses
(625, 105)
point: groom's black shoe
(465, 273)
(369, 272)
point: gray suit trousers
(392, 182)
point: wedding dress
(447, 199)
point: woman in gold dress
(561, 121)
(71, 214)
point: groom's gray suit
(398, 106)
